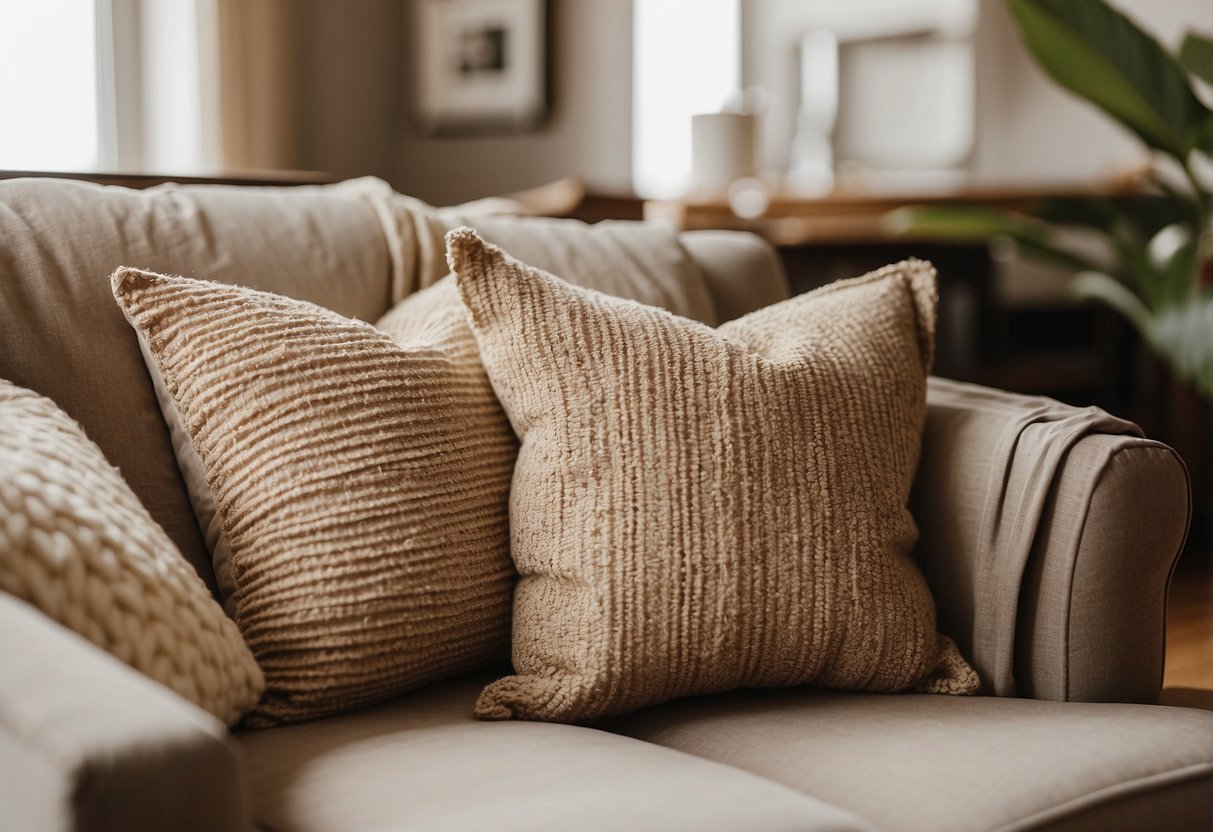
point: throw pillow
(695, 510)
(455, 454)
(76, 543)
(351, 479)
(629, 259)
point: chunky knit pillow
(695, 510)
(76, 543)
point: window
(48, 85)
(91, 85)
(687, 60)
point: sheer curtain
(254, 56)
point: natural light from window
(48, 85)
(686, 60)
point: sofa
(1047, 535)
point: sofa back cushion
(62, 335)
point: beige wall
(589, 132)
(355, 79)
(350, 70)
(1026, 127)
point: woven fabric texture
(359, 570)
(695, 510)
(76, 543)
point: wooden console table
(860, 218)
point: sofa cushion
(643, 261)
(930, 763)
(640, 261)
(695, 509)
(423, 762)
(77, 544)
(743, 272)
(61, 334)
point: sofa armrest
(88, 743)
(1048, 534)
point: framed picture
(481, 65)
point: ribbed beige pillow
(695, 510)
(76, 543)
(356, 484)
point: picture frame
(481, 66)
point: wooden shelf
(859, 218)
(148, 180)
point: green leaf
(1182, 335)
(1204, 137)
(1085, 212)
(1110, 291)
(1196, 54)
(1179, 275)
(1102, 56)
(960, 222)
(972, 223)
(1141, 215)
(1133, 257)
(1049, 252)
(1150, 214)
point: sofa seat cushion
(423, 762)
(914, 762)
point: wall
(355, 77)
(1026, 127)
(350, 85)
(771, 31)
(588, 134)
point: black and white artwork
(480, 65)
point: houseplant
(1157, 264)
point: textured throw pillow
(628, 259)
(76, 543)
(695, 510)
(346, 473)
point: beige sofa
(1047, 534)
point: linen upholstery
(130, 755)
(635, 260)
(949, 764)
(61, 334)
(1088, 636)
(358, 572)
(88, 743)
(653, 563)
(422, 762)
(742, 271)
(77, 544)
(431, 327)
(1047, 535)
(625, 259)
(413, 230)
